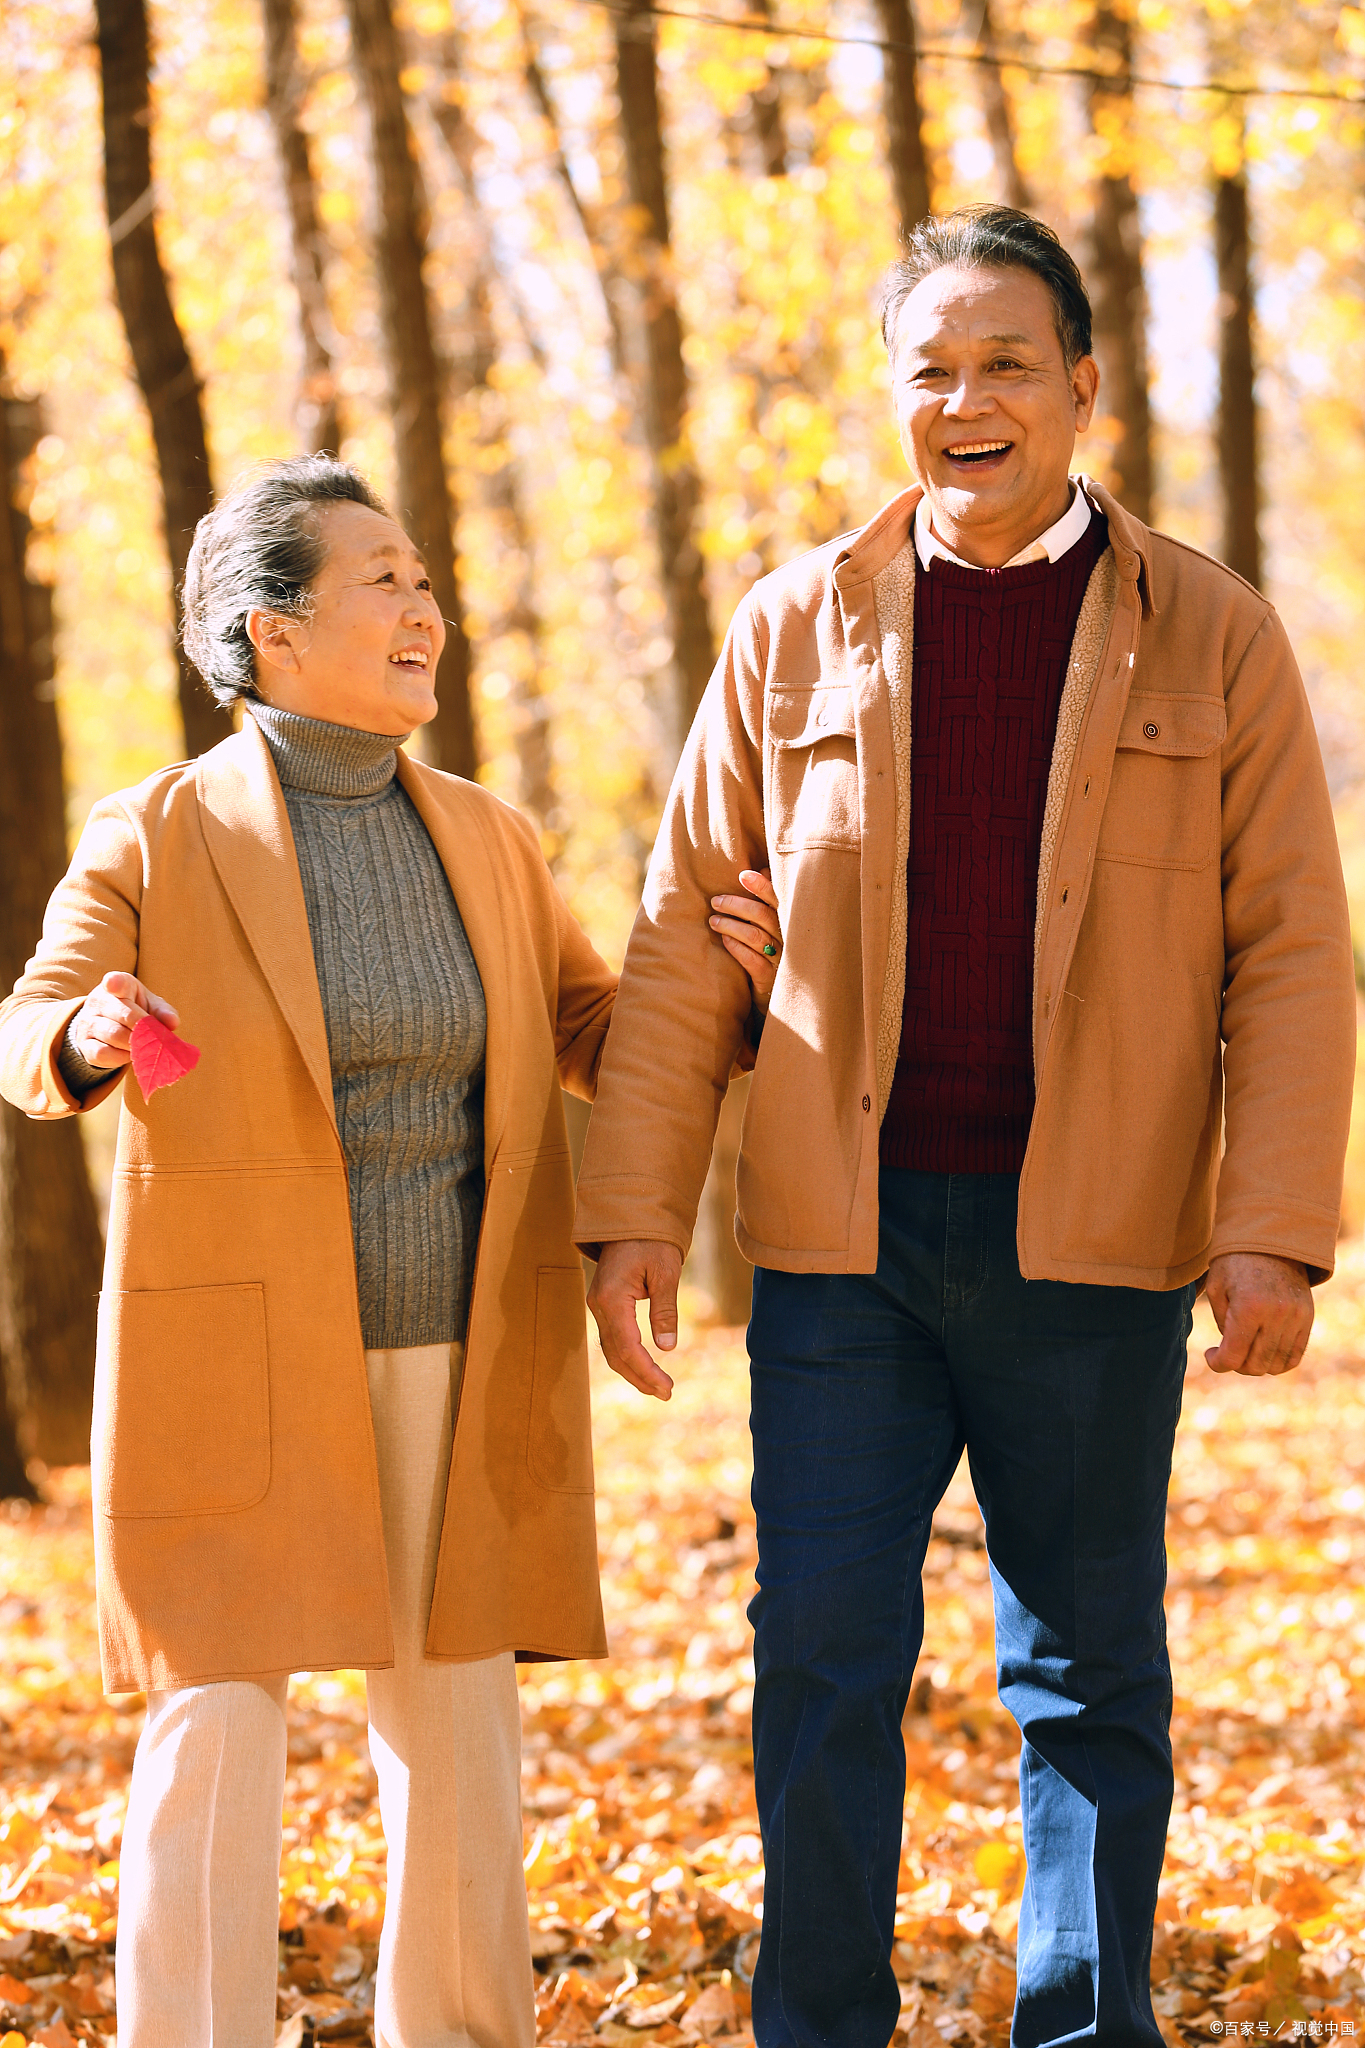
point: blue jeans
(865, 1389)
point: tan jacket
(237, 1520)
(1192, 951)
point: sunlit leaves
(777, 279)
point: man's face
(987, 409)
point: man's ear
(274, 639)
(1085, 384)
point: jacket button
(1151, 731)
(867, 1103)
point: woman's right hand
(101, 1030)
(750, 930)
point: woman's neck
(322, 759)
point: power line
(947, 54)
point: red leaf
(159, 1057)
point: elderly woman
(341, 1411)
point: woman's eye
(424, 583)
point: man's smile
(978, 454)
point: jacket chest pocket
(812, 797)
(1164, 803)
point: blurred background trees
(164, 371)
(50, 1251)
(590, 292)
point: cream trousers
(199, 1872)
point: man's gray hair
(260, 549)
(992, 238)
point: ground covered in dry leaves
(643, 1860)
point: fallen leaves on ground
(644, 1867)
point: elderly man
(1060, 918)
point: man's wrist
(1299, 1265)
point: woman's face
(367, 657)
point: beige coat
(1192, 950)
(236, 1501)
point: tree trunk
(1237, 426)
(1000, 117)
(677, 501)
(904, 121)
(516, 632)
(427, 502)
(316, 410)
(677, 487)
(769, 127)
(160, 358)
(50, 1250)
(1115, 273)
(587, 216)
(15, 1483)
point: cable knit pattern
(406, 1026)
(991, 655)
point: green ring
(770, 950)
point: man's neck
(990, 550)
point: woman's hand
(102, 1028)
(749, 930)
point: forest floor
(643, 1860)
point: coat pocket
(813, 796)
(182, 1411)
(1164, 803)
(559, 1441)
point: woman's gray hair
(260, 549)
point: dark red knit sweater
(991, 649)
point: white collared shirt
(1049, 546)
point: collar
(319, 759)
(860, 556)
(1049, 547)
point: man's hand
(1264, 1308)
(103, 1026)
(626, 1273)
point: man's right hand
(636, 1270)
(103, 1026)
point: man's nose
(966, 396)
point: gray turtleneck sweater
(406, 1025)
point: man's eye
(424, 583)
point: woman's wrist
(77, 1072)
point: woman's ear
(275, 640)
